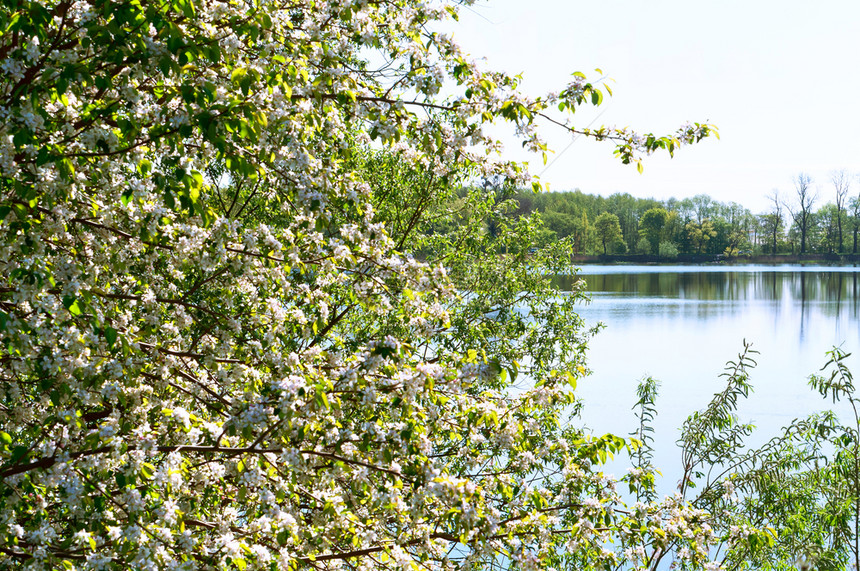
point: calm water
(681, 324)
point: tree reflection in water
(680, 324)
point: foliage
(700, 234)
(841, 181)
(803, 484)
(651, 226)
(247, 320)
(619, 246)
(646, 411)
(608, 229)
(829, 221)
(793, 502)
(667, 250)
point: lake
(680, 324)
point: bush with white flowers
(247, 319)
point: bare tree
(774, 219)
(854, 203)
(841, 180)
(702, 204)
(802, 213)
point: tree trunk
(839, 228)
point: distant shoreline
(779, 259)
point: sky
(780, 79)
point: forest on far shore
(808, 220)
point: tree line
(809, 218)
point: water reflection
(681, 325)
(726, 286)
(835, 292)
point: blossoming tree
(248, 322)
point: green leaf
(18, 453)
(72, 304)
(321, 399)
(238, 74)
(147, 471)
(110, 336)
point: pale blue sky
(780, 79)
